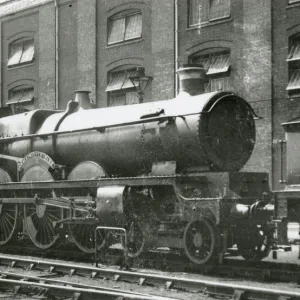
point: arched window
(20, 98)
(120, 89)
(124, 26)
(216, 62)
(293, 60)
(21, 52)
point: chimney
(83, 99)
(191, 79)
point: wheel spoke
(49, 226)
(3, 229)
(31, 227)
(8, 215)
(200, 241)
(47, 230)
(52, 217)
(8, 222)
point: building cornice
(9, 7)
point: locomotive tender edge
(287, 199)
(167, 171)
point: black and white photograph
(150, 149)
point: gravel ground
(109, 284)
(283, 257)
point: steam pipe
(281, 142)
(56, 54)
(176, 47)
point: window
(195, 9)
(120, 88)
(124, 27)
(217, 66)
(207, 10)
(219, 9)
(21, 52)
(293, 61)
(21, 99)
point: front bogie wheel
(254, 242)
(201, 241)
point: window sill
(293, 5)
(210, 23)
(20, 66)
(293, 97)
(128, 42)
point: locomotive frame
(214, 214)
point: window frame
(293, 64)
(126, 15)
(125, 87)
(293, 1)
(211, 55)
(219, 17)
(23, 89)
(190, 10)
(21, 43)
(205, 14)
(21, 105)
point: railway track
(18, 283)
(43, 284)
(231, 268)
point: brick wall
(154, 51)
(39, 17)
(247, 33)
(162, 49)
(46, 57)
(10, 32)
(67, 52)
(116, 55)
(254, 77)
(86, 46)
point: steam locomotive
(166, 171)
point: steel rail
(43, 289)
(208, 287)
(43, 280)
(260, 271)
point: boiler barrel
(213, 130)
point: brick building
(49, 48)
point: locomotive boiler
(167, 171)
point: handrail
(124, 232)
